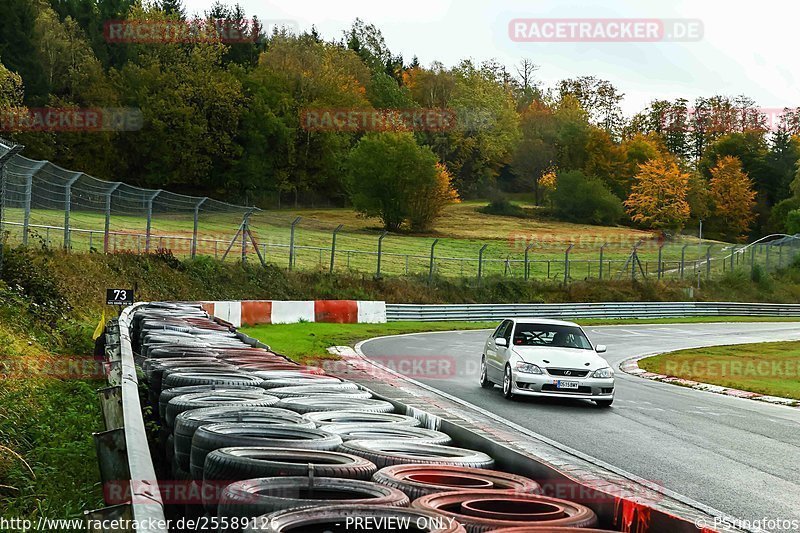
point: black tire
(185, 379)
(332, 517)
(604, 403)
(392, 452)
(187, 402)
(388, 432)
(167, 395)
(508, 380)
(214, 436)
(420, 480)
(187, 423)
(338, 390)
(308, 379)
(323, 403)
(484, 379)
(324, 418)
(255, 497)
(252, 462)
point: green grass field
(771, 368)
(461, 231)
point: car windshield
(552, 335)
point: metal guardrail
(438, 313)
(126, 466)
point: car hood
(560, 357)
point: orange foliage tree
(658, 196)
(733, 196)
(427, 203)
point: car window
(503, 330)
(555, 336)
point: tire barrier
(255, 497)
(232, 398)
(391, 452)
(388, 432)
(309, 379)
(324, 418)
(164, 398)
(420, 480)
(481, 510)
(336, 390)
(334, 517)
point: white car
(540, 357)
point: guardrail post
(333, 245)
(380, 253)
(602, 250)
(527, 262)
(291, 242)
(430, 268)
(480, 263)
(708, 262)
(112, 455)
(150, 219)
(196, 224)
(111, 406)
(566, 263)
(68, 207)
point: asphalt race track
(739, 456)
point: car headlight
(606, 372)
(528, 368)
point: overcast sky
(747, 47)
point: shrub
(427, 203)
(503, 207)
(793, 222)
(578, 198)
(780, 212)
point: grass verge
(771, 368)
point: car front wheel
(507, 383)
(485, 383)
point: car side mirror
(600, 348)
(501, 341)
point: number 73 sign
(119, 297)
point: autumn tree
(427, 201)
(733, 196)
(659, 195)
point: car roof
(543, 321)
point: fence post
(780, 255)
(708, 262)
(150, 219)
(291, 242)
(527, 263)
(26, 217)
(107, 226)
(733, 253)
(245, 234)
(566, 263)
(14, 150)
(196, 223)
(333, 245)
(480, 263)
(766, 267)
(752, 259)
(68, 206)
(683, 259)
(380, 252)
(602, 250)
(430, 269)
(660, 251)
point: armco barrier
(122, 450)
(254, 312)
(437, 312)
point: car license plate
(566, 384)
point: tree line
(225, 119)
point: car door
(495, 353)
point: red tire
(421, 480)
(482, 510)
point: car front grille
(579, 390)
(568, 372)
